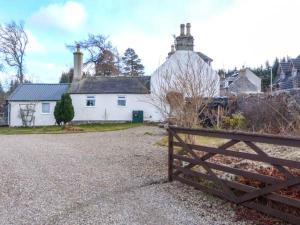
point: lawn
(59, 130)
(199, 140)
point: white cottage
(33, 104)
(109, 98)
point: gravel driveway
(116, 177)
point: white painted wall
(41, 119)
(107, 109)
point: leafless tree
(102, 56)
(182, 89)
(13, 42)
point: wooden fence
(268, 197)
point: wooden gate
(195, 165)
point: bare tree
(101, 55)
(182, 89)
(13, 42)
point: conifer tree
(132, 63)
(64, 111)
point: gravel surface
(116, 177)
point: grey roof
(296, 63)
(38, 92)
(242, 84)
(285, 66)
(204, 57)
(112, 85)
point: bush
(58, 113)
(270, 114)
(234, 122)
(64, 111)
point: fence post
(170, 156)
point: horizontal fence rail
(195, 165)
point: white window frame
(122, 98)
(49, 108)
(89, 98)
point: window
(90, 101)
(121, 100)
(45, 107)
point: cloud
(242, 33)
(249, 33)
(34, 46)
(49, 72)
(69, 16)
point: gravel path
(116, 177)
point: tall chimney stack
(188, 29)
(182, 29)
(77, 64)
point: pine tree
(64, 111)
(132, 63)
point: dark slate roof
(112, 85)
(38, 92)
(285, 66)
(242, 84)
(204, 57)
(296, 63)
(286, 83)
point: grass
(199, 140)
(59, 130)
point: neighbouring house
(107, 98)
(240, 82)
(33, 104)
(288, 74)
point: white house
(34, 104)
(106, 98)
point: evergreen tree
(132, 63)
(67, 77)
(64, 111)
(58, 113)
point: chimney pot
(78, 48)
(182, 29)
(188, 29)
(172, 48)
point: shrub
(64, 111)
(270, 114)
(234, 122)
(57, 113)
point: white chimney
(77, 64)
(182, 29)
(188, 29)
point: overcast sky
(234, 33)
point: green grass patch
(74, 129)
(199, 140)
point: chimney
(77, 64)
(188, 29)
(181, 29)
(172, 48)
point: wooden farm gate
(195, 165)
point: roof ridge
(45, 84)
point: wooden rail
(265, 199)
